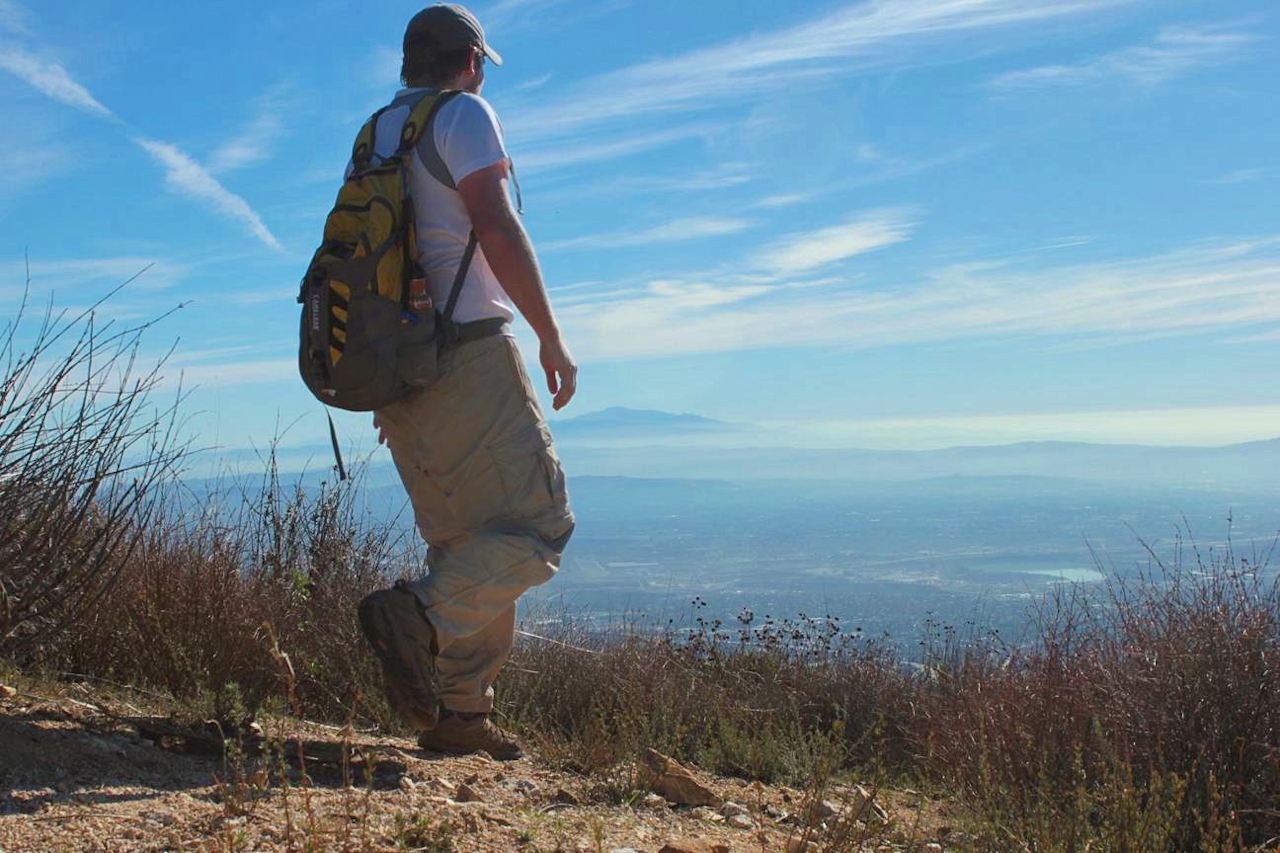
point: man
(473, 450)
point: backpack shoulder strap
(420, 120)
(362, 151)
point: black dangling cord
(337, 454)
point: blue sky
(910, 223)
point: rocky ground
(84, 769)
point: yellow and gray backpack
(362, 346)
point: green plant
(423, 834)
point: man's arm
(510, 255)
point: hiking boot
(460, 734)
(404, 643)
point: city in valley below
(682, 517)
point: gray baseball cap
(447, 26)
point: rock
(472, 779)
(501, 818)
(932, 847)
(467, 794)
(695, 845)
(665, 776)
(654, 801)
(7, 692)
(799, 845)
(865, 808)
(821, 811)
(730, 808)
(406, 784)
(526, 786)
(568, 799)
(624, 850)
(740, 821)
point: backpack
(361, 346)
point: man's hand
(561, 370)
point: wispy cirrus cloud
(184, 175)
(253, 143)
(182, 172)
(14, 18)
(679, 230)
(508, 16)
(1225, 287)
(1237, 176)
(778, 200)
(559, 155)
(863, 233)
(52, 79)
(76, 277)
(225, 374)
(857, 36)
(1174, 51)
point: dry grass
(1146, 716)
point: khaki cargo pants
(488, 495)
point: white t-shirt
(468, 138)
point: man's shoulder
(468, 105)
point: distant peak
(624, 415)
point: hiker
(472, 449)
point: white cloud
(188, 177)
(51, 79)
(1175, 51)
(863, 233)
(1222, 287)
(560, 155)
(14, 18)
(1238, 176)
(1206, 426)
(508, 16)
(675, 231)
(77, 273)
(858, 36)
(782, 200)
(226, 374)
(45, 151)
(533, 83)
(253, 143)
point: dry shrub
(82, 451)
(768, 702)
(1156, 697)
(216, 594)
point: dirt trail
(82, 773)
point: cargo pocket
(473, 491)
(532, 481)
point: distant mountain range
(623, 424)
(653, 444)
(628, 442)
(1252, 467)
